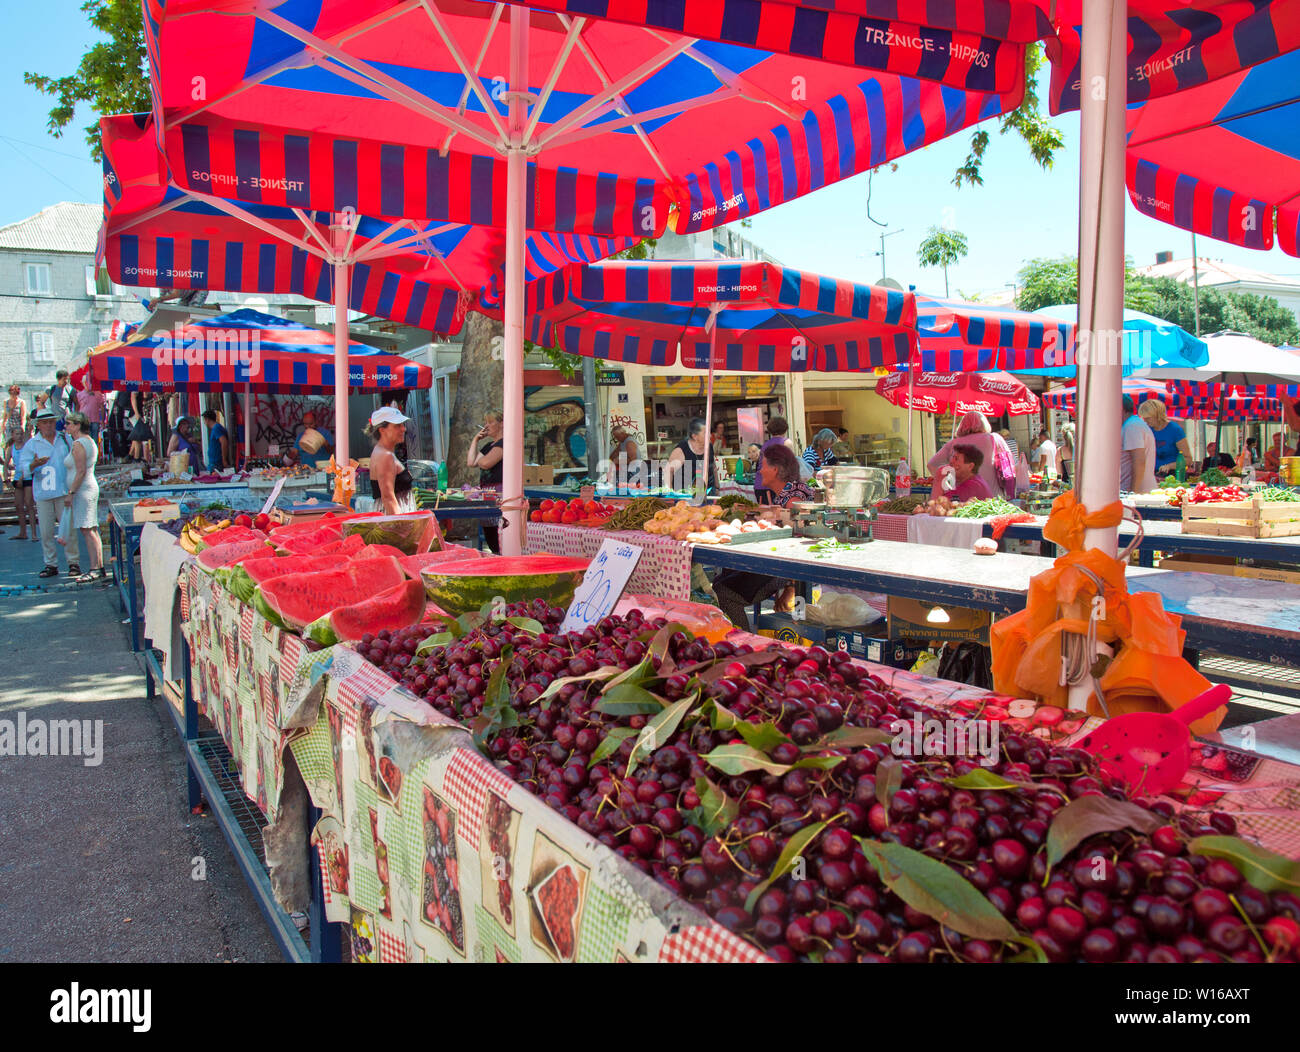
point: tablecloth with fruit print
(431, 854)
(664, 568)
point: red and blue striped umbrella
(400, 109)
(759, 317)
(246, 347)
(972, 337)
(980, 44)
(424, 274)
(1223, 159)
(1179, 401)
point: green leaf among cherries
(1089, 815)
(794, 848)
(1263, 869)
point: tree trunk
(479, 388)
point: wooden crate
(1252, 518)
(155, 512)
(1224, 565)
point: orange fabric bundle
(1148, 673)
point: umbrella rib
(636, 120)
(603, 76)
(474, 81)
(493, 21)
(233, 210)
(573, 31)
(377, 248)
(365, 75)
(594, 106)
(313, 229)
(735, 80)
(152, 213)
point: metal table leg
(131, 553)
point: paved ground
(97, 862)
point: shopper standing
(777, 429)
(82, 500)
(15, 428)
(44, 455)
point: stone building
(53, 305)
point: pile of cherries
(1119, 896)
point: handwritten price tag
(602, 585)
(275, 494)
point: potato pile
(700, 524)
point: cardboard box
(908, 620)
(156, 512)
(539, 475)
(1222, 564)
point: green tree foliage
(1259, 316)
(1025, 121)
(112, 76)
(941, 248)
(1043, 282)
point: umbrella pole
(341, 277)
(1101, 271)
(702, 484)
(248, 422)
(911, 379)
(512, 401)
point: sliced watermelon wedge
(230, 535)
(467, 585)
(296, 600)
(381, 551)
(242, 580)
(212, 559)
(399, 607)
(450, 553)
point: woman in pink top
(91, 404)
(965, 463)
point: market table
(476, 511)
(1256, 620)
(1169, 537)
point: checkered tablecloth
(664, 568)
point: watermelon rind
(466, 586)
(412, 532)
(397, 608)
(241, 581)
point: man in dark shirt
(1215, 459)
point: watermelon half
(296, 600)
(243, 580)
(212, 559)
(381, 551)
(399, 607)
(450, 553)
(413, 532)
(467, 585)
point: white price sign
(602, 585)
(275, 493)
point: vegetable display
(979, 509)
(901, 505)
(1282, 494)
(769, 788)
(636, 513)
(1214, 477)
(1205, 494)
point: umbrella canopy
(418, 272)
(975, 337)
(246, 347)
(1148, 342)
(1172, 46)
(1181, 405)
(1223, 159)
(392, 108)
(758, 317)
(989, 393)
(1239, 361)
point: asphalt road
(98, 862)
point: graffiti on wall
(630, 423)
(555, 429)
(276, 418)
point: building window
(38, 279)
(98, 283)
(43, 348)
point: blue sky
(1021, 211)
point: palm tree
(940, 249)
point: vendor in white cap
(390, 481)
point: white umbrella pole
(702, 485)
(341, 277)
(512, 472)
(248, 422)
(911, 380)
(1101, 268)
